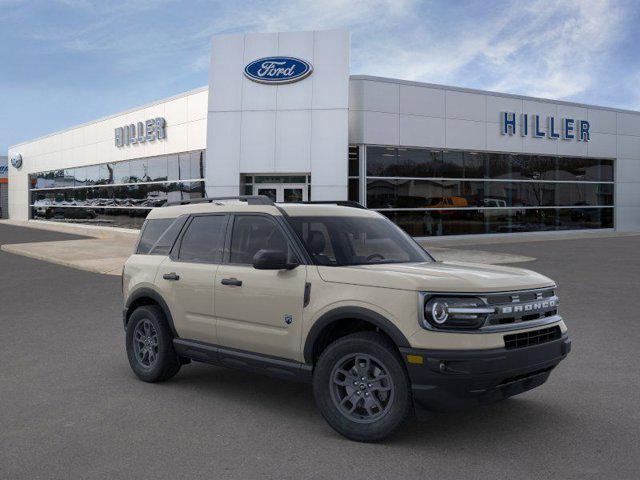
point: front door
(259, 310)
(282, 192)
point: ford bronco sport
(338, 296)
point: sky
(66, 62)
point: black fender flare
(146, 292)
(358, 313)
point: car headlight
(455, 313)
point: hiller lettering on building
(147, 131)
(533, 125)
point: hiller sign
(147, 131)
(525, 124)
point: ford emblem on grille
(278, 70)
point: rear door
(259, 310)
(187, 277)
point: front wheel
(150, 345)
(361, 387)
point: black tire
(330, 392)
(166, 363)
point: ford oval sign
(16, 160)
(278, 70)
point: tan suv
(335, 295)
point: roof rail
(340, 203)
(250, 199)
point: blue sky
(66, 62)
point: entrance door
(282, 192)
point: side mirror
(272, 260)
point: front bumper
(449, 380)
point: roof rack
(340, 203)
(250, 199)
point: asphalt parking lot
(71, 408)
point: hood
(438, 277)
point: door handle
(171, 276)
(232, 282)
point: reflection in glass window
(156, 195)
(435, 223)
(382, 162)
(92, 175)
(80, 176)
(139, 170)
(452, 164)
(477, 192)
(173, 167)
(158, 169)
(191, 165)
(415, 162)
(121, 172)
(105, 174)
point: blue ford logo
(278, 70)
(16, 160)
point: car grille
(534, 337)
(522, 306)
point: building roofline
(117, 114)
(488, 92)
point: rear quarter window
(151, 233)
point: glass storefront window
(139, 170)
(158, 170)
(430, 223)
(121, 172)
(444, 193)
(104, 175)
(118, 193)
(447, 192)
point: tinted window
(167, 239)
(204, 239)
(252, 233)
(151, 233)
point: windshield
(342, 241)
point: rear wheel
(361, 387)
(150, 345)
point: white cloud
(540, 48)
(559, 51)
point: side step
(239, 359)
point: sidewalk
(104, 253)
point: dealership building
(283, 117)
